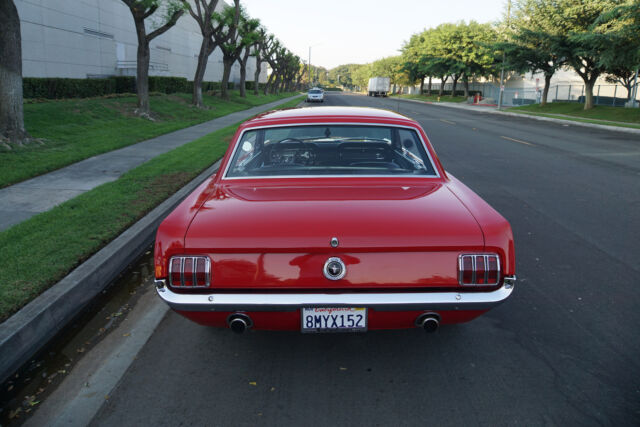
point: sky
(361, 31)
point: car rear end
(333, 253)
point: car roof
(329, 113)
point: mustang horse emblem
(334, 269)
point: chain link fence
(612, 95)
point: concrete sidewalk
(23, 200)
(494, 110)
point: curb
(529, 116)
(27, 331)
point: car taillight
(479, 270)
(190, 272)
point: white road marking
(516, 140)
(447, 121)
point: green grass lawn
(75, 129)
(600, 114)
(42, 250)
(433, 98)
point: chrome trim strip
(386, 301)
(224, 175)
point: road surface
(562, 350)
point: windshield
(330, 150)
(315, 91)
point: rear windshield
(330, 150)
(315, 91)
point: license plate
(339, 319)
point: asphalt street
(563, 350)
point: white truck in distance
(378, 86)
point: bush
(168, 84)
(57, 88)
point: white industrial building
(97, 38)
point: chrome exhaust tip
(428, 322)
(239, 323)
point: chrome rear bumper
(386, 301)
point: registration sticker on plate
(338, 319)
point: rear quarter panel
(498, 236)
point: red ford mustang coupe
(333, 219)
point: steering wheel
(306, 155)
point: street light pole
(503, 59)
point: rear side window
(330, 150)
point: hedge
(55, 88)
(249, 85)
(58, 88)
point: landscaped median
(42, 250)
(71, 130)
(600, 114)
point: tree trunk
(11, 108)
(588, 94)
(455, 84)
(243, 77)
(203, 57)
(443, 81)
(243, 72)
(142, 68)
(267, 87)
(545, 91)
(226, 73)
(429, 87)
(276, 86)
(421, 84)
(465, 80)
(256, 78)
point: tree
(581, 48)
(262, 38)
(616, 32)
(203, 15)
(474, 54)
(230, 43)
(623, 76)
(392, 67)
(361, 74)
(141, 10)
(11, 108)
(271, 48)
(415, 59)
(249, 36)
(534, 44)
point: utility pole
(503, 59)
(309, 67)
